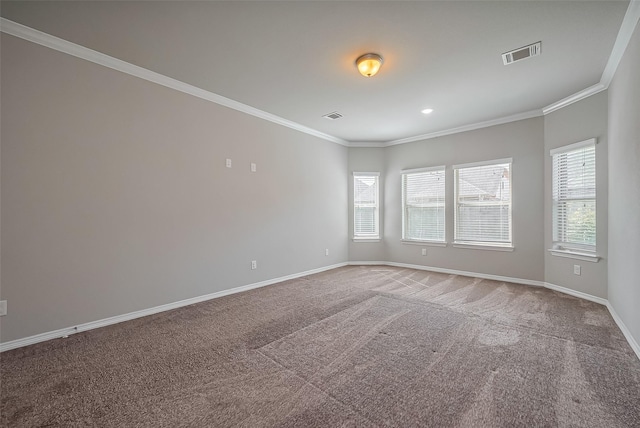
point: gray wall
(624, 188)
(368, 160)
(578, 122)
(116, 197)
(521, 141)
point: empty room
(320, 213)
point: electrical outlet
(326, 252)
(228, 163)
(254, 264)
(424, 251)
(576, 269)
(254, 168)
(3, 307)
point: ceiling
(295, 59)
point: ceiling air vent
(521, 53)
(332, 116)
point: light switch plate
(3, 307)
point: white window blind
(574, 196)
(366, 219)
(423, 205)
(482, 213)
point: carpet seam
(314, 323)
(439, 306)
(310, 383)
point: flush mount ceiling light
(369, 64)
(427, 111)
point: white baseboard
(575, 293)
(63, 332)
(366, 263)
(453, 272)
(18, 343)
(627, 334)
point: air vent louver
(521, 53)
(332, 116)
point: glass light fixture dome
(369, 64)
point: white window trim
(567, 249)
(426, 169)
(574, 146)
(368, 238)
(569, 254)
(424, 243)
(432, 243)
(483, 163)
(483, 246)
(473, 245)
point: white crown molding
(471, 127)
(64, 46)
(629, 22)
(64, 332)
(366, 144)
(578, 96)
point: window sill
(575, 255)
(366, 239)
(425, 243)
(483, 246)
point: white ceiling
(296, 59)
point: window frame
(404, 174)
(480, 244)
(367, 237)
(565, 248)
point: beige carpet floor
(357, 346)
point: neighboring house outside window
(423, 205)
(574, 197)
(366, 209)
(482, 204)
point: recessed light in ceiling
(427, 111)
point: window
(574, 196)
(423, 205)
(482, 213)
(366, 218)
